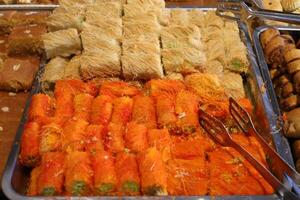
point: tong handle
(272, 180)
(281, 165)
(272, 15)
(243, 119)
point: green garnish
(49, 191)
(105, 188)
(130, 186)
(78, 188)
(236, 64)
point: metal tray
(265, 69)
(15, 176)
(28, 7)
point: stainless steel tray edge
(12, 163)
(281, 142)
(28, 7)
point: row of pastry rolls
(140, 44)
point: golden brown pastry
(291, 55)
(268, 35)
(296, 149)
(274, 50)
(290, 5)
(293, 66)
(292, 125)
(290, 102)
(287, 90)
(296, 81)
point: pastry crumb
(16, 67)
(5, 109)
(12, 94)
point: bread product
(214, 67)
(216, 51)
(111, 27)
(296, 81)
(175, 32)
(291, 55)
(99, 63)
(108, 10)
(18, 73)
(207, 86)
(71, 69)
(290, 5)
(183, 60)
(233, 84)
(290, 102)
(237, 60)
(64, 19)
(149, 18)
(146, 47)
(132, 28)
(62, 43)
(292, 126)
(179, 17)
(145, 66)
(92, 38)
(54, 70)
(76, 5)
(211, 19)
(196, 17)
(272, 5)
(26, 39)
(212, 33)
(293, 66)
(170, 43)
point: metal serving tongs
(283, 178)
(248, 9)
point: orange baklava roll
(118, 89)
(33, 186)
(127, 173)
(165, 111)
(52, 173)
(83, 106)
(122, 110)
(79, 174)
(102, 108)
(30, 141)
(105, 177)
(64, 96)
(144, 111)
(41, 108)
(114, 138)
(157, 87)
(153, 172)
(78, 86)
(94, 138)
(187, 112)
(160, 138)
(136, 137)
(74, 135)
(50, 138)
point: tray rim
(13, 156)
